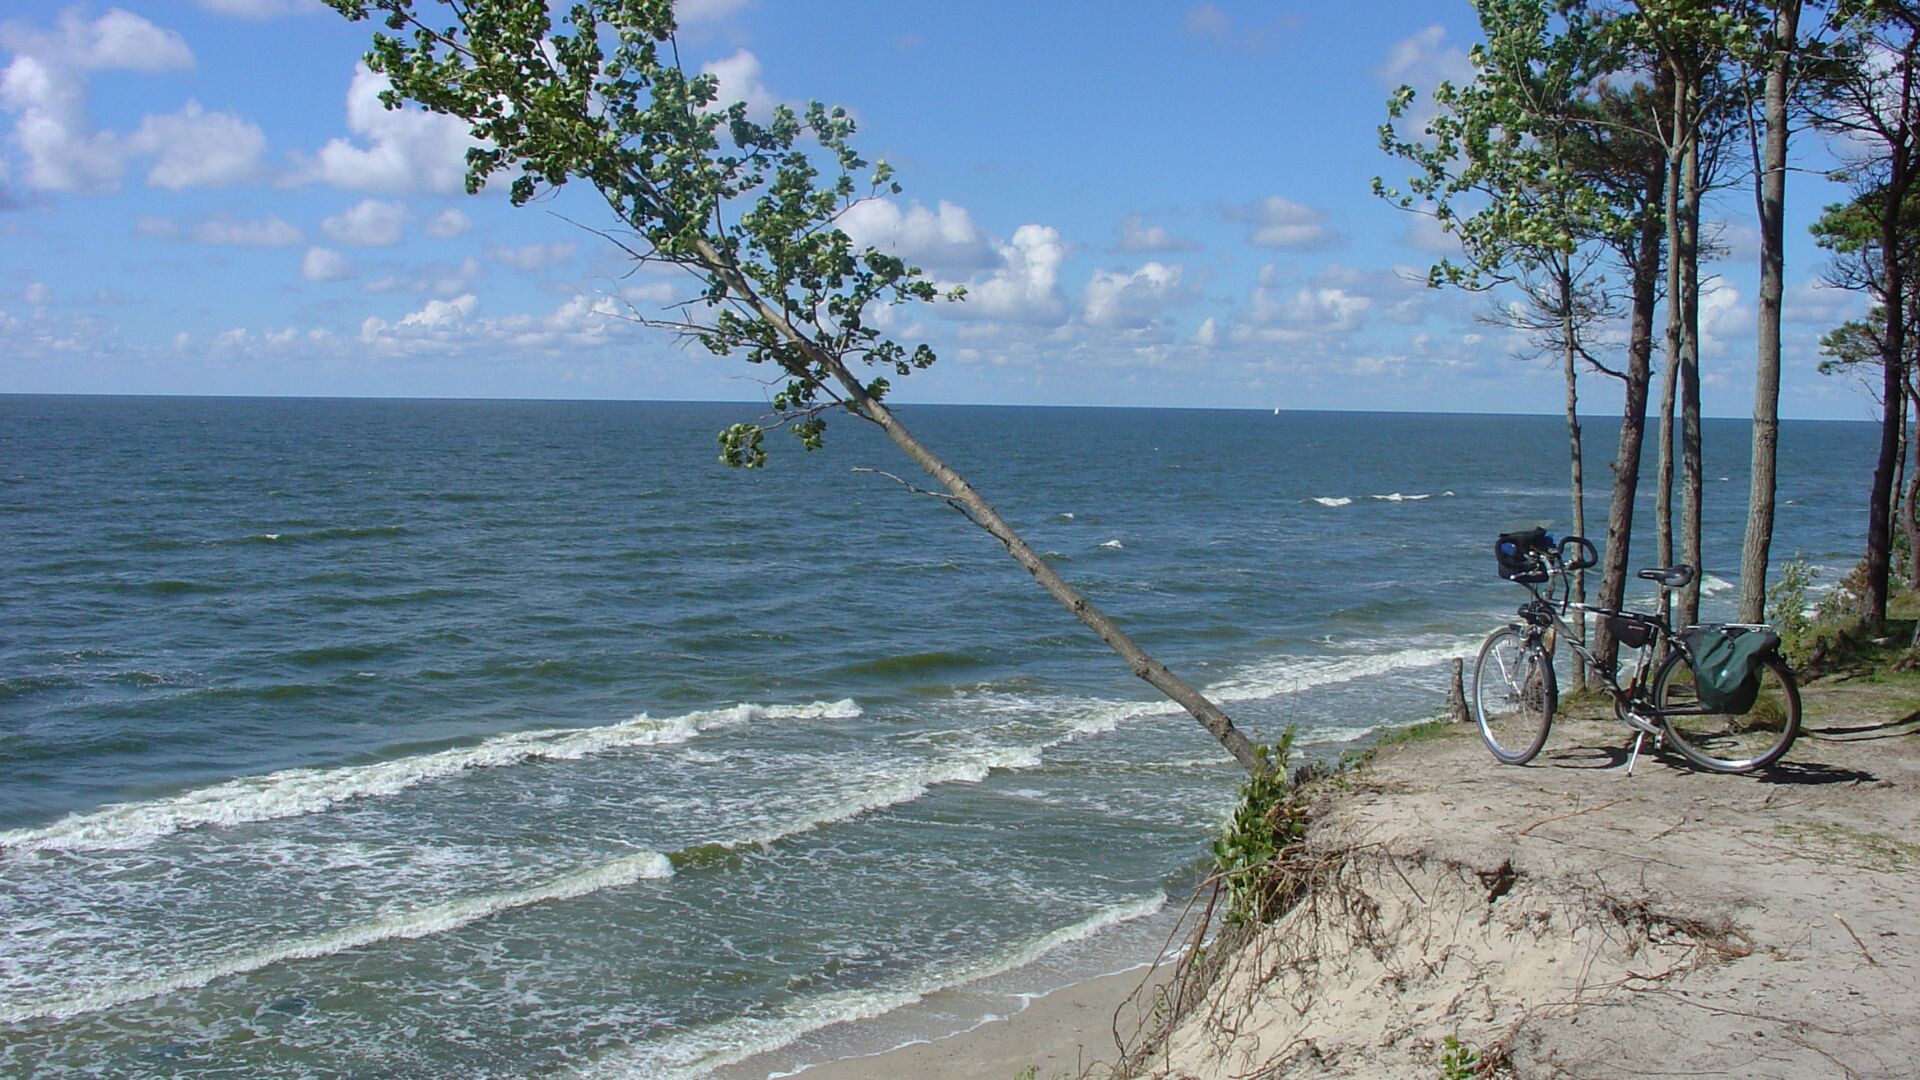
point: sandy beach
(1564, 919)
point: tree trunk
(1688, 256)
(1909, 521)
(1770, 192)
(1145, 667)
(1663, 504)
(1893, 342)
(1633, 425)
(1563, 280)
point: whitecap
(308, 790)
(1398, 497)
(1331, 501)
(418, 923)
(1291, 674)
(1115, 544)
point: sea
(500, 738)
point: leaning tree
(749, 208)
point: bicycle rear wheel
(1513, 695)
(1729, 742)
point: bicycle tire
(1513, 695)
(1729, 742)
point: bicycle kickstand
(1638, 738)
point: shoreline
(1056, 1033)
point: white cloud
(945, 238)
(534, 256)
(261, 9)
(1423, 60)
(441, 314)
(1208, 335)
(325, 264)
(448, 223)
(46, 88)
(1137, 235)
(196, 148)
(37, 293)
(739, 77)
(406, 150)
(269, 231)
(1319, 308)
(1025, 287)
(368, 223)
(63, 152)
(1130, 301)
(1285, 225)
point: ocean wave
(418, 923)
(1399, 497)
(1291, 674)
(1114, 544)
(1714, 585)
(1325, 500)
(292, 792)
(703, 1050)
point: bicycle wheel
(1513, 695)
(1729, 742)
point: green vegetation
(1458, 1061)
(1421, 732)
(1269, 819)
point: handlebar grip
(1587, 555)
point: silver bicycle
(1514, 692)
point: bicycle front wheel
(1729, 741)
(1513, 695)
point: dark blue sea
(422, 739)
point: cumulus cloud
(1423, 60)
(1138, 236)
(454, 326)
(739, 78)
(196, 148)
(944, 238)
(1316, 309)
(1130, 301)
(269, 231)
(397, 150)
(45, 87)
(325, 264)
(368, 223)
(1285, 225)
(447, 223)
(1025, 286)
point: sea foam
(420, 922)
(292, 792)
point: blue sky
(1151, 203)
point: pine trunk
(1633, 424)
(1770, 192)
(1688, 256)
(1564, 281)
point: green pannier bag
(1726, 662)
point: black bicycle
(1719, 693)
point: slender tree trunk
(1893, 275)
(1909, 521)
(977, 509)
(1770, 192)
(1633, 425)
(1663, 506)
(1563, 281)
(1688, 256)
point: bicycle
(1514, 693)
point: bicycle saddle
(1672, 577)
